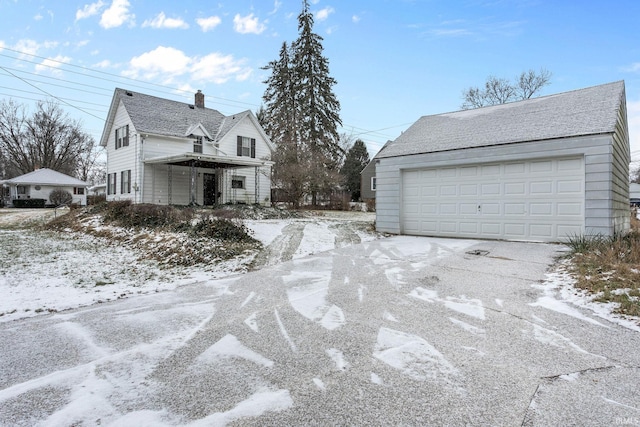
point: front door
(209, 189)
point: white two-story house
(172, 153)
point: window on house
(237, 182)
(246, 147)
(22, 189)
(111, 183)
(373, 183)
(125, 182)
(78, 190)
(197, 145)
(122, 136)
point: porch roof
(208, 160)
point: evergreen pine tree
(357, 158)
(301, 116)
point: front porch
(204, 180)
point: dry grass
(609, 268)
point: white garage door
(540, 200)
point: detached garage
(536, 170)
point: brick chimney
(199, 99)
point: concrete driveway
(400, 331)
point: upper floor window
(122, 136)
(246, 146)
(373, 183)
(197, 145)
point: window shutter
(253, 148)
(121, 182)
(114, 182)
(126, 136)
(108, 184)
(129, 181)
(116, 138)
(239, 153)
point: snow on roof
(580, 112)
(46, 177)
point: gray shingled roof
(160, 116)
(587, 111)
(46, 177)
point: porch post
(192, 184)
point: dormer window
(122, 137)
(246, 147)
(197, 144)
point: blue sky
(394, 61)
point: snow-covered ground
(397, 331)
(42, 272)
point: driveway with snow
(403, 330)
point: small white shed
(536, 170)
(40, 183)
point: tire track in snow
(282, 248)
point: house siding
(369, 171)
(124, 158)
(596, 151)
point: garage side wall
(596, 150)
(621, 221)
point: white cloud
(248, 24)
(323, 14)
(355, 19)
(167, 61)
(276, 6)
(633, 68)
(219, 68)
(89, 10)
(168, 64)
(117, 14)
(161, 21)
(52, 65)
(38, 17)
(208, 24)
(27, 47)
(103, 64)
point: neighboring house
(368, 178)
(40, 183)
(98, 190)
(542, 169)
(634, 194)
(167, 152)
(368, 182)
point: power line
(87, 72)
(53, 96)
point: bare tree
(531, 83)
(48, 138)
(500, 91)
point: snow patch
(338, 358)
(309, 294)
(412, 355)
(252, 322)
(464, 305)
(229, 347)
(467, 327)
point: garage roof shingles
(589, 111)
